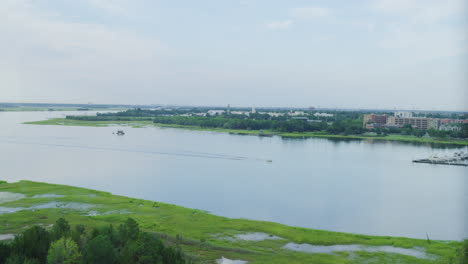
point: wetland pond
(357, 186)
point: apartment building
(419, 123)
(374, 119)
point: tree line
(342, 123)
(106, 245)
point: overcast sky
(406, 54)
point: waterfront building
(374, 119)
(215, 112)
(403, 114)
(240, 113)
(323, 114)
(273, 114)
(296, 113)
(450, 128)
(416, 122)
(446, 121)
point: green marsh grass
(196, 231)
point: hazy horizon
(368, 54)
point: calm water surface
(351, 186)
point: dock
(441, 162)
(458, 159)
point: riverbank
(205, 236)
(400, 138)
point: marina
(458, 159)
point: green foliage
(101, 245)
(63, 251)
(166, 221)
(346, 124)
(20, 259)
(77, 234)
(5, 251)
(418, 132)
(129, 230)
(464, 252)
(146, 249)
(99, 250)
(464, 131)
(60, 229)
(33, 243)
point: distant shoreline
(137, 124)
(56, 109)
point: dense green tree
(60, 229)
(103, 245)
(145, 250)
(129, 230)
(32, 243)
(99, 250)
(5, 251)
(78, 235)
(464, 131)
(173, 255)
(418, 132)
(21, 259)
(63, 251)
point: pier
(458, 159)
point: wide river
(350, 186)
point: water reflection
(374, 141)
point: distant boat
(120, 133)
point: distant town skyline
(364, 54)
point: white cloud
(417, 29)
(114, 7)
(283, 24)
(66, 57)
(420, 44)
(422, 11)
(310, 12)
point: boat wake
(182, 153)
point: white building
(323, 114)
(273, 114)
(403, 114)
(240, 113)
(296, 113)
(215, 112)
(449, 128)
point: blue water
(351, 186)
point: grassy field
(204, 236)
(401, 138)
